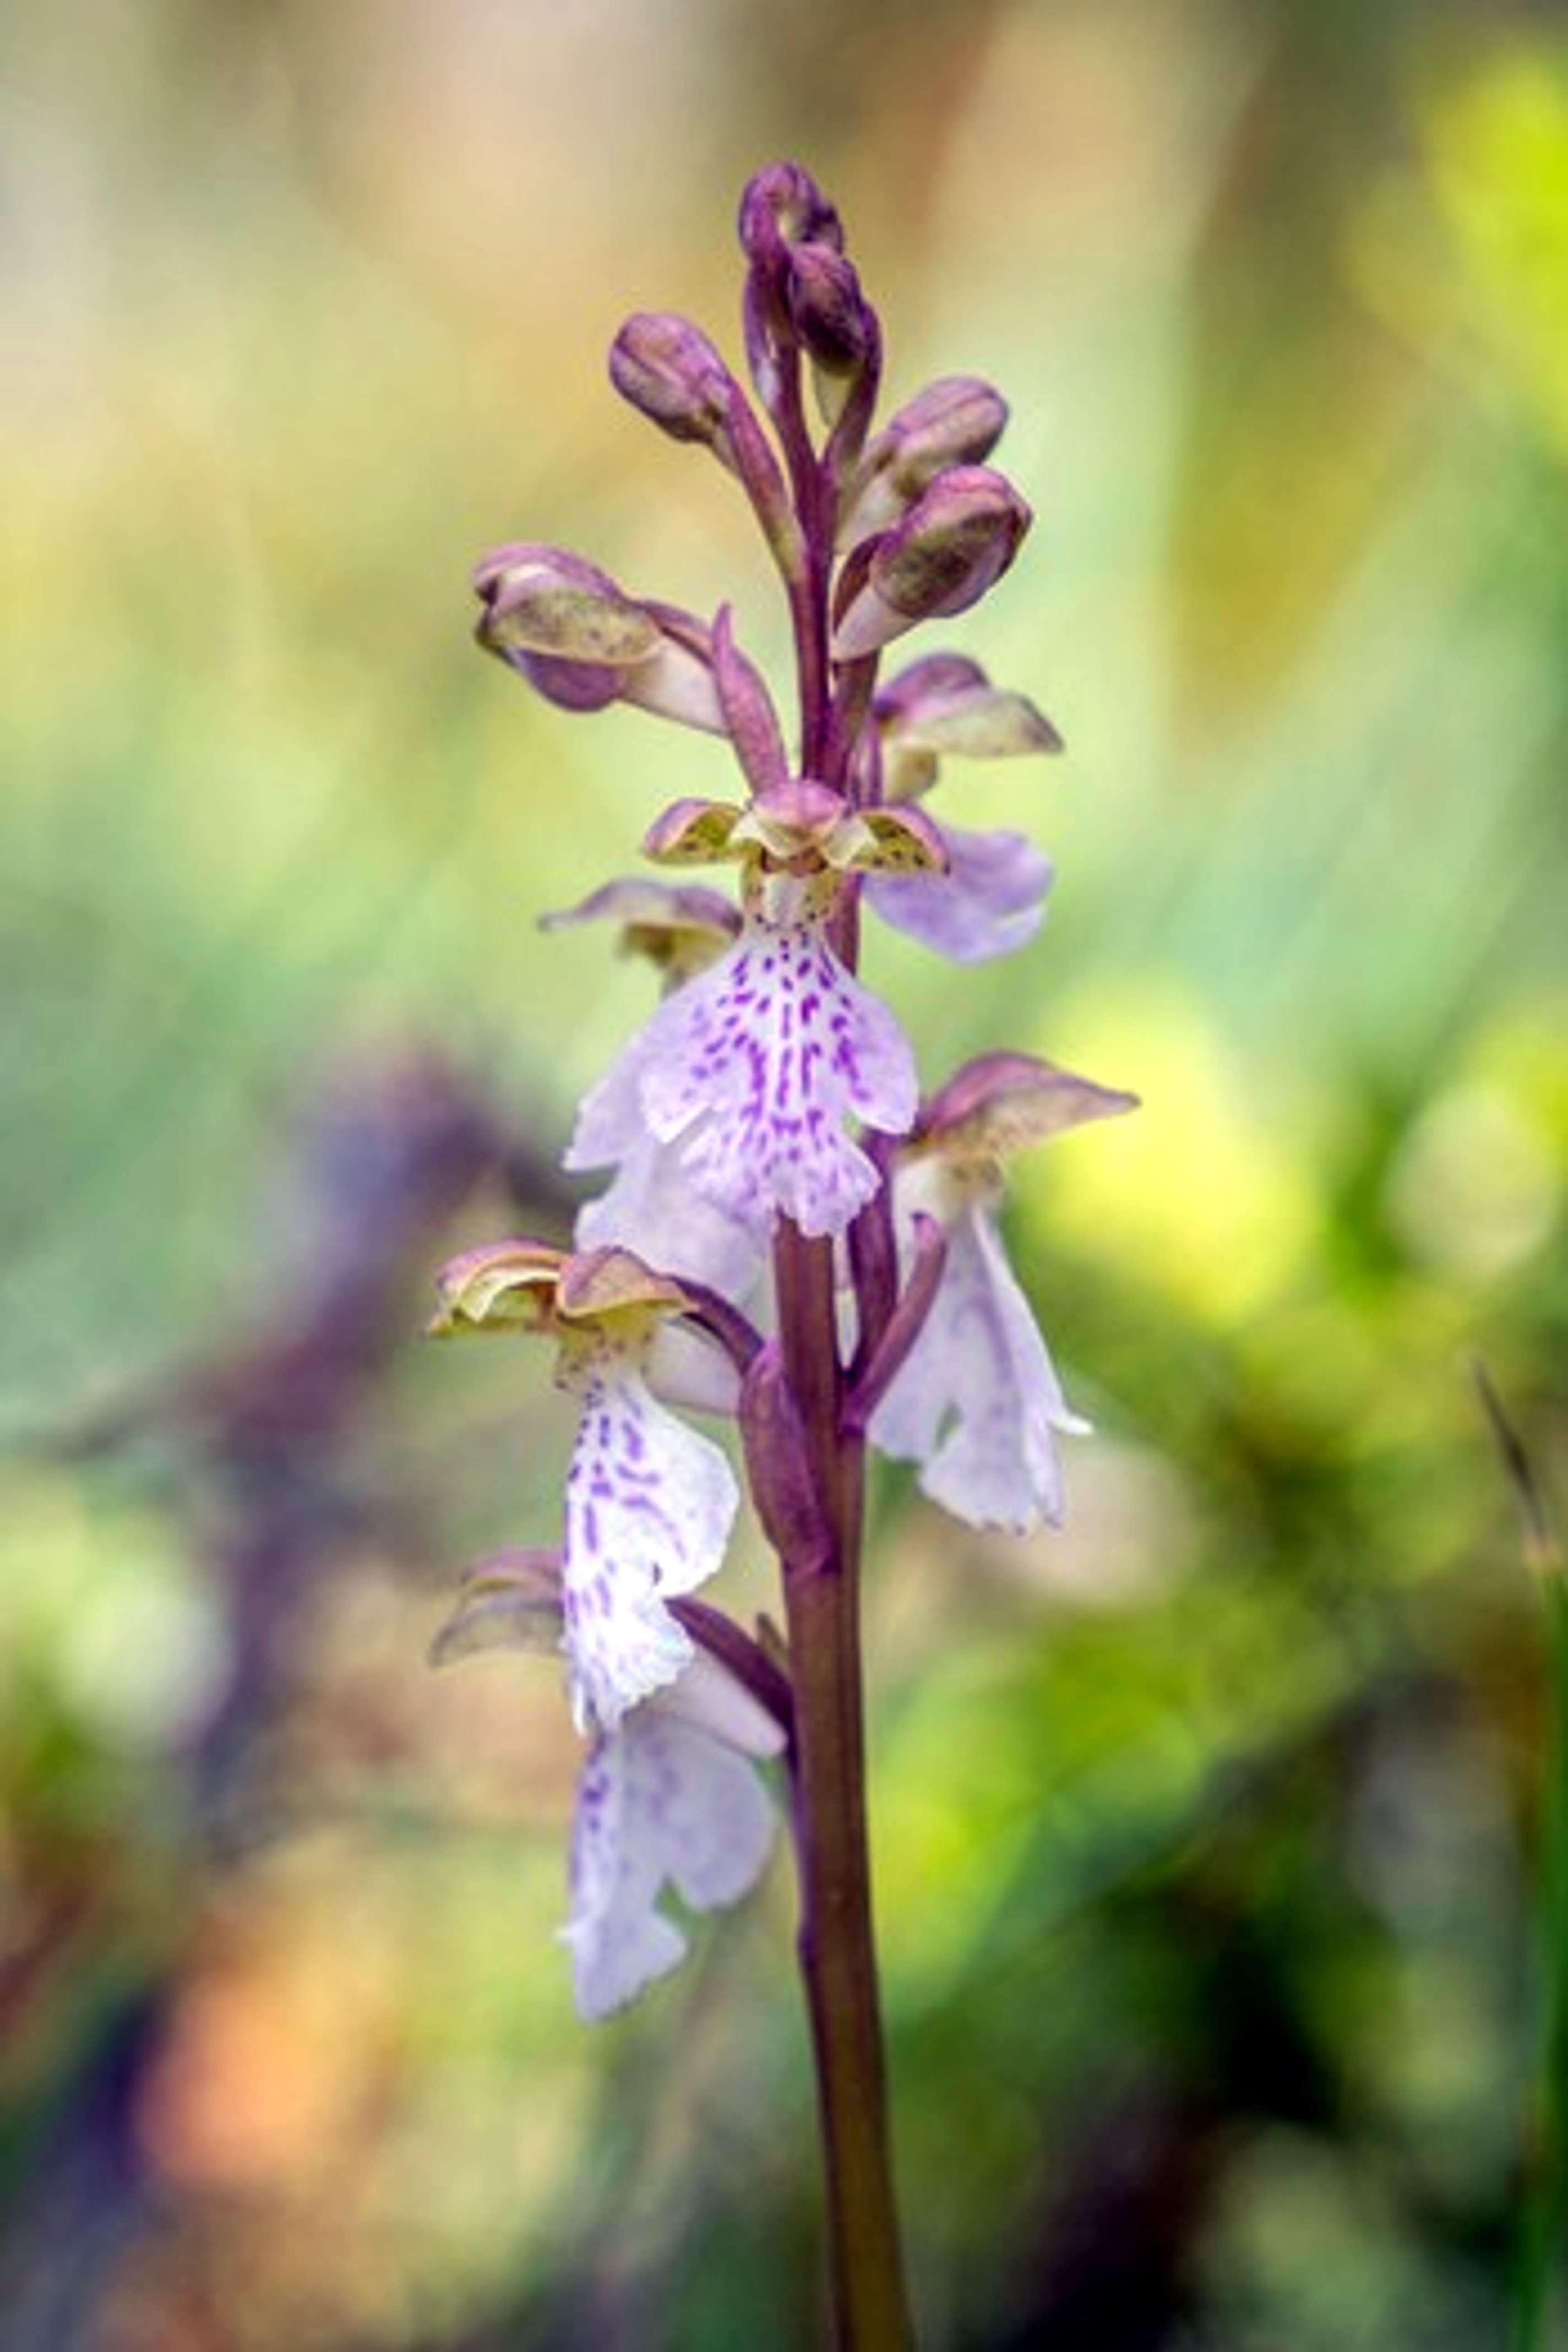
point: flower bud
(956, 421)
(583, 642)
(829, 310)
(783, 213)
(545, 600)
(838, 331)
(668, 368)
(782, 205)
(953, 544)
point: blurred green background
(1204, 1828)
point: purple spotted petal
(977, 1401)
(755, 1066)
(649, 1505)
(662, 1800)
(989, 901)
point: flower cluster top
(772, 1102)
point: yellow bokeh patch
(1201, 1194)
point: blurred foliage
(1205, 1829)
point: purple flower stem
(836, 1945)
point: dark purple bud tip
(782, 205)
(668, 368)
(831, 315)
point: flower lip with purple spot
(649, 1506)
(756, 1065)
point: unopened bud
(668, 368)
(583, 642)
(838, 332)
(956, 421)
(830, 314)
(953, 544)
(545, 600)
(782, 205)
(782, 211)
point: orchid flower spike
(783, 1234)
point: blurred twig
(1542, 1546)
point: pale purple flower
(671, 1797)
(651, 1206)
(755, 1067)
(649, 1505)
(989, 901)
(977, 1403)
